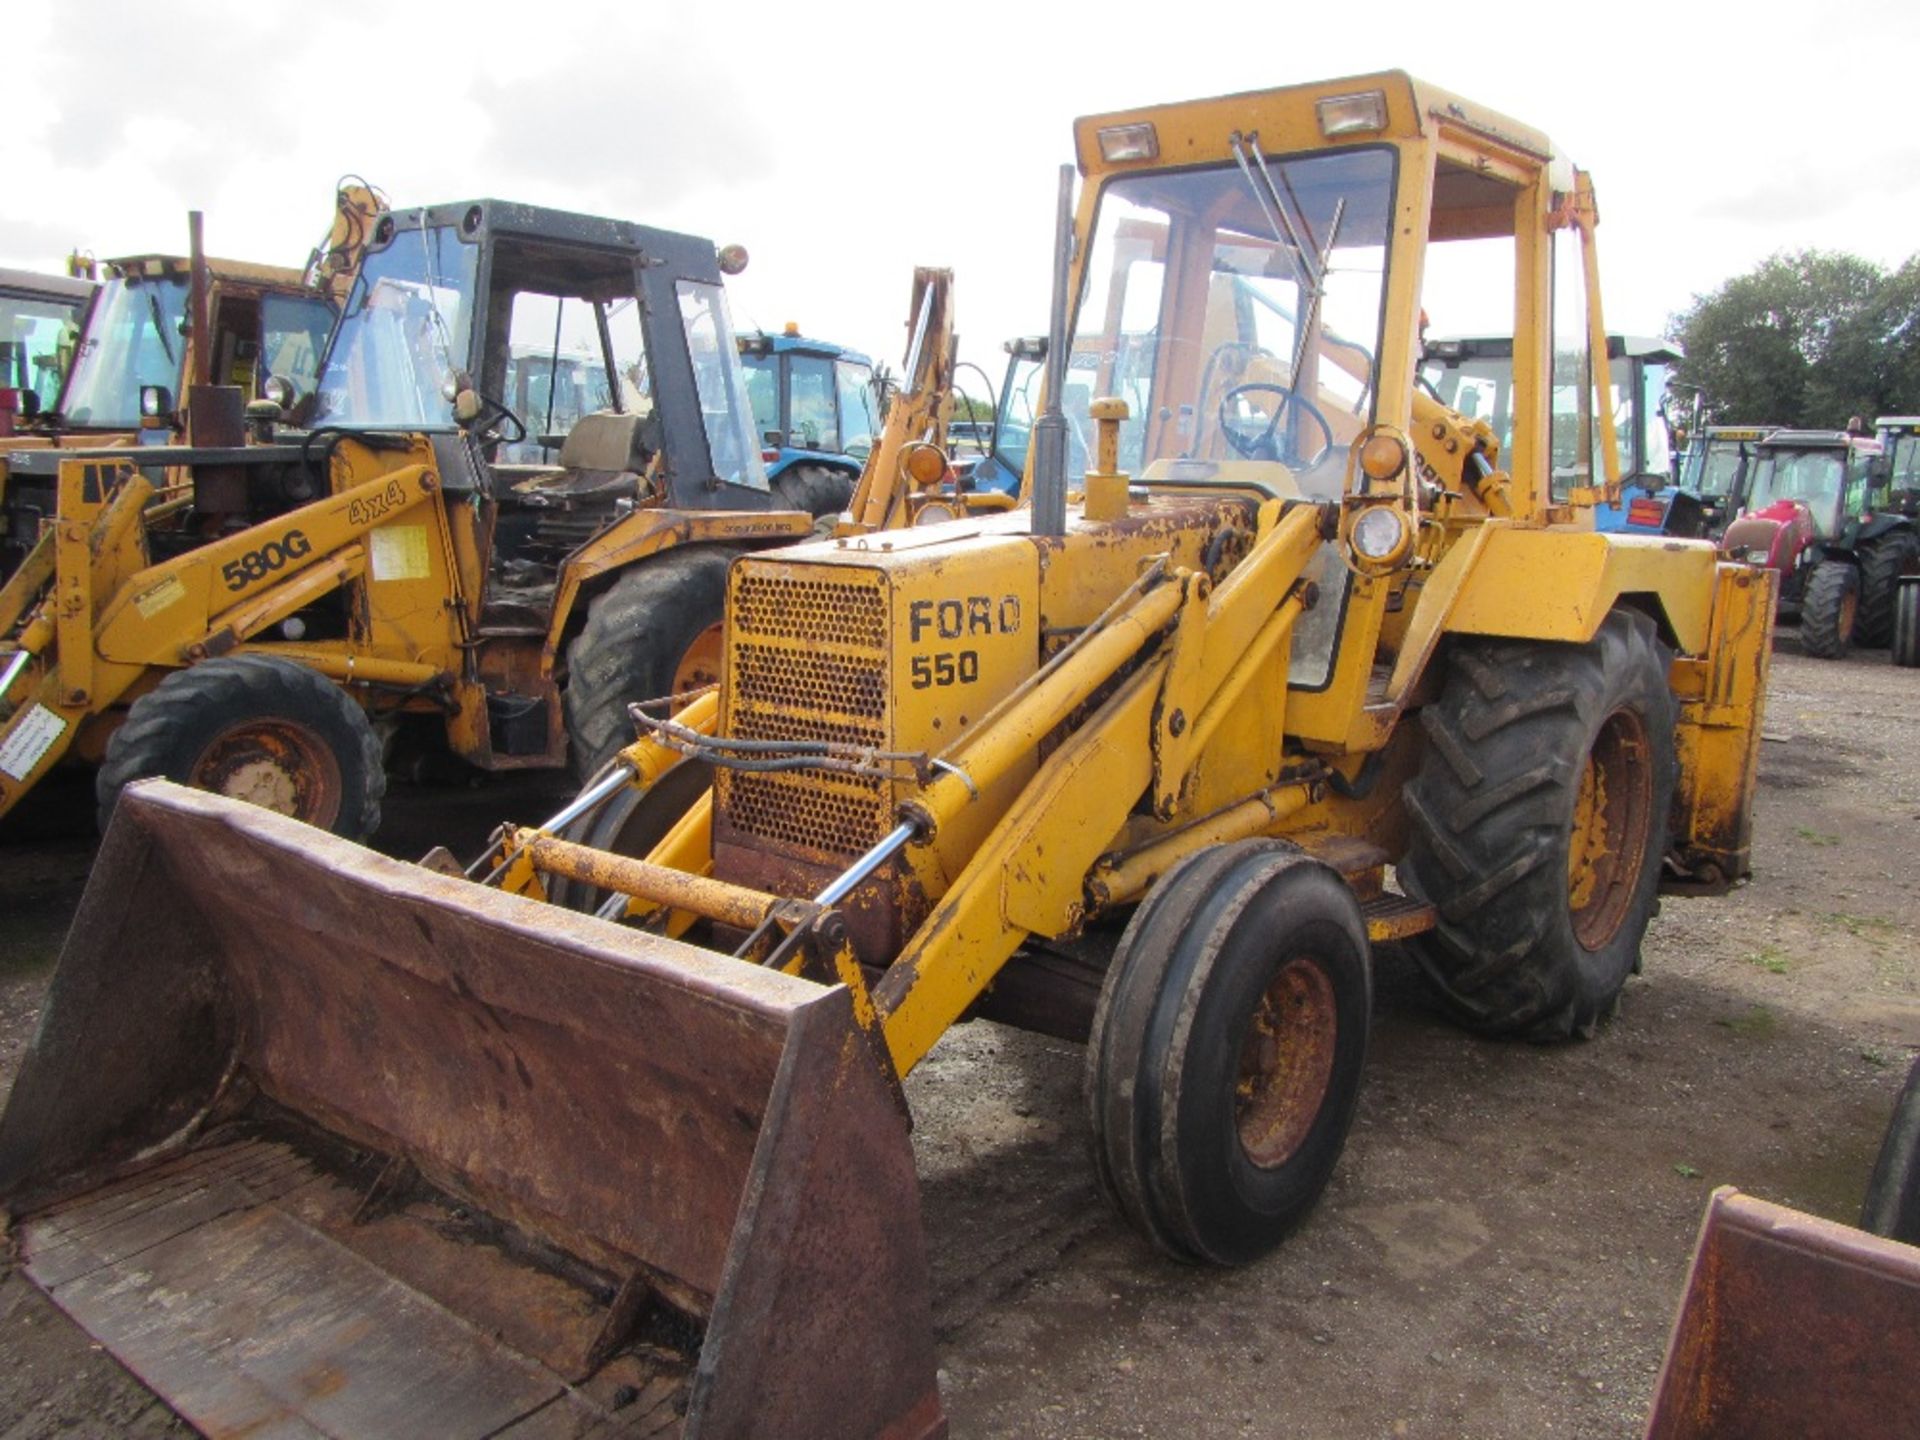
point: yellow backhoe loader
(414, 555)
(309, 1137)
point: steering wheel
(1266, 445)
(497, 411)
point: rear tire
(654, 632)
(1537, 825)
(1883, 560)
(820, 490)
(1225, 1058)
(1906, 622)
(1892, 1206)
(256, 728)
(1829, 612)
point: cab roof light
(1129, 142)
(1364, 113)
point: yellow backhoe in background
(1304, 665)
(409, 556)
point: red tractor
(1820, 508)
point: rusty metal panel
(592, 1127)
(1792, 1325)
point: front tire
(256, 728)
(1830, 610)
(1906, 622)
(630, 824)
(1883, 561)
(1892, 1205)
(1537, 824)
(655, 632)
(1224, 1063)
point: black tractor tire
(1906, 622)
(630, 823)
(654, 632)
(1892, 1205)
(1224, 1062)
(1883, 560)
(1830, 610)
(1537, 824)
(820, 490)
(256, 728)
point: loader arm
(919, 409)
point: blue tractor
(817, 411)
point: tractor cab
(1474, 376)
(814, 402)
(1018, 405)
(1718, 468)
(588, 361)
(135, 359)
(39, 325)
(1900, 436)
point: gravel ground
(1502, 1248)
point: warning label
(151, 602)
(31, 739)
(400, 553)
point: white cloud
(845, 143)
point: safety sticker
(400, 553)
(31, 739)
(168, 592)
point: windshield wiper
(1309, 262)
(160, 327)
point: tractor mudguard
(317, 1142)
(1791, 1325)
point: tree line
(1811, 338)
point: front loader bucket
(1792, 1325)
(319, 1143)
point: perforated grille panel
(807, 661)
(793, 609)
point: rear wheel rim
(274, 764)
(1286, 1063)
(1612, 817)
(700, 664)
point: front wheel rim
(1286, 1063)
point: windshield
(1019, 408)
(859, 415)
(721, 385)
(36, 344)
(1813, 477)
(762, 375)
(1236, 312)
(402, 335)
(133, 339)
(1480, 387)
(1905, 462)
(1719, 468)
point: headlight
(1129, 142)
(155, 401)
(1379, 535)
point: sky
(844, 143)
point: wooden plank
(250, 1322)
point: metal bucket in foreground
(1792, 1326)
(320, 1143)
